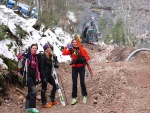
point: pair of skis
(62, 100)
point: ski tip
(91, 75)
(63, 104)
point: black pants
(31, 97)
(50, 80)
(81, 71)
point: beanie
(45, 46)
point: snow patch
(71, 16)
(3, 66)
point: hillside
(117, 87)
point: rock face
(133, 13)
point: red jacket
(66, 51)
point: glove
(55, 58)
(69, 46)
(83, 59)
(55, 62)
(44, 80)
(79, 60)
(56, 65)
(25, 56)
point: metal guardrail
(136, 51)
(143, 42)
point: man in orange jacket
(78, 66)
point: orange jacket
(66, 51)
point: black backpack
(27, 55)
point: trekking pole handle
(24, 57)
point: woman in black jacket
(46, 76)
(32, 74)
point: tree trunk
(38, 22)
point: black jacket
(45, 67)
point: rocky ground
(118, 86)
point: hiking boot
(54, 102)
(84, 99)
(32, 110)
(50, 104)
(73, 101)
(47, 105)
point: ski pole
(26, 66)
(25, 73)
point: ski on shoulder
(80, 48)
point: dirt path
(117, 87)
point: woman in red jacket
(78, 66)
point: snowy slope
(10, 19)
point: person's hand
(19, 56)
(79, 60)
(69, 46)
(39, 80)
(55, 62)
(55, 59)
(44, 80)
(83, 59)
(56, 66)
(25, 56)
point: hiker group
(38, 68)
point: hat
(45, 46)
(77, 36)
